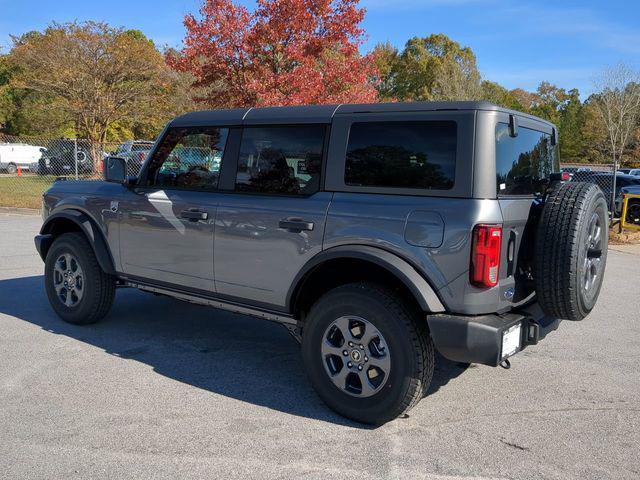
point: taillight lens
(485, 255)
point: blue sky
(517, 43)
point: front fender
(57, 224)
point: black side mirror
(115, 170)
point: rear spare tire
(571, 250)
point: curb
(19, 211)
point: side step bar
(211, 302)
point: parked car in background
(65, 157)
(628, 190)
(635, 172)
(624, 170)
(570, 170)
(604, 180)
(14, 155)
(134, 153)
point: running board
(210, 302)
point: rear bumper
(478, 339)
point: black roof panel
(299, 114)
(207, 117)
(323, 113)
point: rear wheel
(571, 250)
(78, 290)
(12, 168)
(368, 357)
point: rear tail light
(485, 255)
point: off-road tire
(561, 249)
(99, 287)
(410, 347)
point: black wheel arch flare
(86, 225)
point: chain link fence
(624, 180)
(29, 165)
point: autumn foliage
(285, 52)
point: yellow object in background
(631, 211)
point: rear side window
(415, 155)
(523, 163)
(281, 160)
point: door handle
(295, 224)
(194, 215)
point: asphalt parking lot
(163, 389)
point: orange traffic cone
(19, 171)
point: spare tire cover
(571, 250)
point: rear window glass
(139, 147)
(415, 155)
(523, 163)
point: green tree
(496, 93)
(89, 77)
(571, 125)
(430, 68)
(385, 57)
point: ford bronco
(378, 234)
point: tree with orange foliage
(285, 52)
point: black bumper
(478, 339)
(43, 242)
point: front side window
(280, 160)
(415, 155)
(189, 157)
(525, 162)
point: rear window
(415, 155)
(523, 163)
(140, 147)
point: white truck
(14, 155)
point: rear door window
(281, 160)
(414, 155)
(523, 163)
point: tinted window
(139, 147)
(189, 158)
(419, 155)
(280, 160)
(523, 163)
(625, 181)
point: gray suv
(377, 234)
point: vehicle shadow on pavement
(233, 355)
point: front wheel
(12, 168)
(78, 290)
(367, 355)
